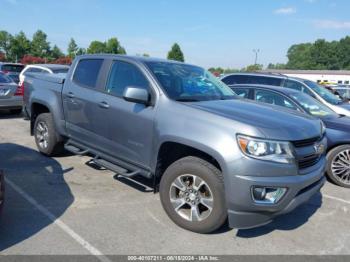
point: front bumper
(244, 213)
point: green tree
(176, 54)
(97, 47)
(299, 56)
(344, 53)
(113, 47)
(40, 47)
(146, 55)
(72, 48)
(276, 66)
(81, 51)
(253, 68)
(19, 46)
(5, 39)
(56, 52)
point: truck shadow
(30, 175)
(6, 114)
(290, 221)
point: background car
(11, 95)
(308, 87)
(12, 70)
(2, 189)
(338, 126)
(43, 69)
(342, 90)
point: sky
(211, 33)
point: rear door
(80, 96)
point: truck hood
(273, 121)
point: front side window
(273, 98)
(87, 72)
(187, 83)
(125, 75)
(312, 106)
(242, 92)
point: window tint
(293, 85)
(87, 72)
(273, 98)
(12, 68)
(252, 79)
(122, 75)
(242, 92)
(235, 79)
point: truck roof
(133, 58)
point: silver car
(11, 95)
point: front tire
(46, 138)
(338, 165)
(193, 196)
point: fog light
(268, 195)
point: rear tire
(338, 165)
(47, 139)
(200, 204)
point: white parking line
(94, 251)
(337, 199)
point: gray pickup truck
(212, 155)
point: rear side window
(87, 72)
(123, 75)
(235, 79)
(293, 85)
(252, 79)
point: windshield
(324, 93)
(312, 106)
(189, 83)
(12, 68)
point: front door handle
(70, 95)
(104, 105)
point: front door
(130, 125)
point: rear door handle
(104, 105)
(70, 95)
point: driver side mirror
(137, 95)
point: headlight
(323, 128)
(275, 151)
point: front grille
(308, 161)
(306, 142)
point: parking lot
(66, 206)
